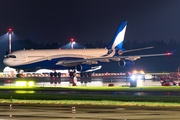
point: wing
(117, 58)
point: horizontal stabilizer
(137, 49)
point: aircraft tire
(89, 74)
(82, 74)
(59, 74)
(55, 74)
(51, 74)
(85, 74)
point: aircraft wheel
(89, 74)
(55, 74)
(85, 74)
(59, 74)
(51, 74)
(72, 74)
(82, 74)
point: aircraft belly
(51, 64)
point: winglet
(170, 53)
(173, 51)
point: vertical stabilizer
(117, 41)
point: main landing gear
(72, 73)
(82, 74)
(85, 74)
(55, 74)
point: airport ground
(87, 112)
(92, 99)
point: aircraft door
(48, 56)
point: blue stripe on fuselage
(46, 64)
(51, 64)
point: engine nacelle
(125, 63)
(83, 67)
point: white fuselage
(24, 57)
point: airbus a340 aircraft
(75, 59)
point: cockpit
(10, 56)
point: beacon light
(168, 53)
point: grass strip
(93, 97)
(76, 88)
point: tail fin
(117, 41)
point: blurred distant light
(24, 83)
(10, 29)
(21, 83)
(142, 72)
(133, 77)
(31, 83)
(139, 77)
(135, 71)
(23, 91)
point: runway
(86, 112)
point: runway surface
(85, 112)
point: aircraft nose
(6, 61)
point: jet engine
(83, 67)
(125, 63)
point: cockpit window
(10, 56)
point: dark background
(93, 23)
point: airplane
(81, 60)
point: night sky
(90, 20)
